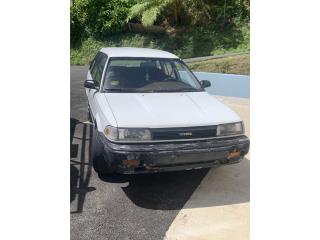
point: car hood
(162, 110)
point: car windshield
(149, 75)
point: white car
(150, 113)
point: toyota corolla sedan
(150, 113)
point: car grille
(183, 133)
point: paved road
(119, 207)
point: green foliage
(189, 12)
(148, 10)
(89, 47)
(198, 12)
(195, 43)
(98, 18)
(76, 28)
(197, 27)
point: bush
(187, 44)
(98, 18)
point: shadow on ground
(165, 191)
(80, 175)
(170, 191)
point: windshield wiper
(120, 89)
(135, 90)
(151, 90)
(178, 90)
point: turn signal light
(131, 163)
(234, 154)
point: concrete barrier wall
(231, 85)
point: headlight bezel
(115, 134)
(230, 129)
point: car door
(96, 75)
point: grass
(239, 64)
(190, 43)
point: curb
(200, 59)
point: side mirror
(91, 84)
(205, 83)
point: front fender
(102, 113)
(98, 123)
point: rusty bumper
(174, 156)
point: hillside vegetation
(234, 64)
(187, 28)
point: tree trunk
(178, 12)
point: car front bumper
(174, 156)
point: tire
(99, 163)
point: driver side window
(94, 67)
(98, 66)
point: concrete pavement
(224, 196)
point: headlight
(127, 134)
(111, 133)
(230, 129)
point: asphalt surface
(120, 206)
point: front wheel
(98, 161)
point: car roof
(136, 52)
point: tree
(194, 12)
(149, 10)
(99, 18)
